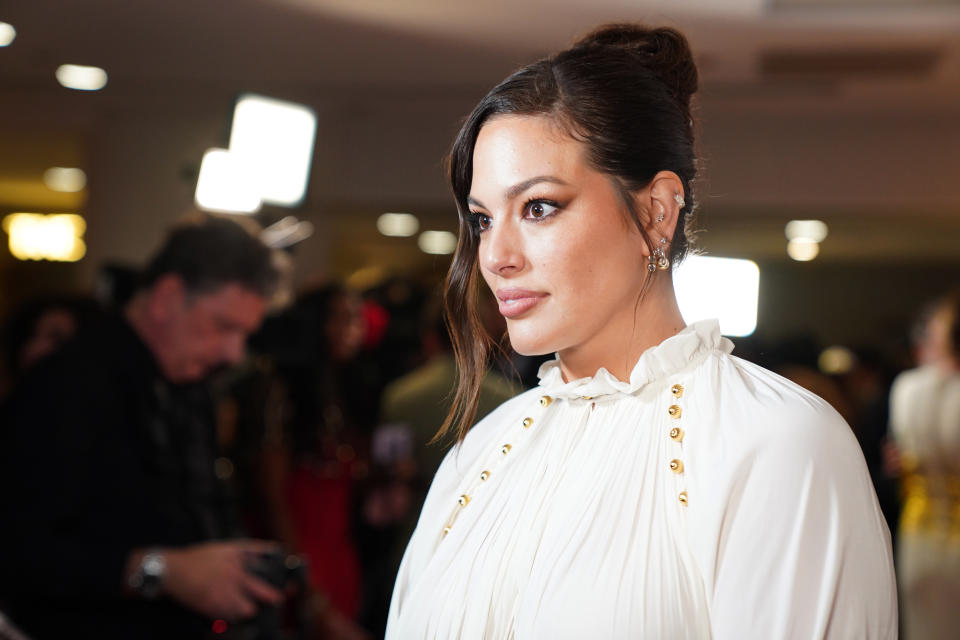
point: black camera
(288, 621)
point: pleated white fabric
(705, 497)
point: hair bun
(664, 51)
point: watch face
(152, 568)
(154, 564)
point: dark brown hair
(624, 92)
(213, 252)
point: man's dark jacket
(100, 455)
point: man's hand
(212, 578)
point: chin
(531, 345)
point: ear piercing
(660, 218)
(658, 258)
(679, 200)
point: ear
(167, 297)
(658, 201)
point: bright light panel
(815, 230)
(803, 249)
(35, 236)
(724, 288)
(437, 242)
(275, 139)
(400, 225)
(226, 183)
(7, 34)
(66, 179)
(75, 76)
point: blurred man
(113, 522)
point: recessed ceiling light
(7, 34)
(66, 179)
(437, 242)
(75, 76)
(836, 360)
(803, 249)
(815, 230)
(400, 225)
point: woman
(652, 486)
(925, 421)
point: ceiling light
(226, 184)
(724, 288)
(35, 236)
(7, 34)
(815, 230)
(437, 242)
(75, 76)
(66, 179)
(275, 138)
(803, 249)
(836, 360)
(400, 225)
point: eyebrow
(520, 187)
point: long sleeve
(797, 545)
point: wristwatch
(147, 580)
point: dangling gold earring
(662, 261)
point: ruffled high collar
(670, 356)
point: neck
(625, 337)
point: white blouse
(706, 497)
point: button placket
(675, 411)
(491, 465)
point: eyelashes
(480, 221)
(534, 210)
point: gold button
(676, 466)
(484, 475)
(463, 500)
(677, 390)
(683, 498)
(446, 530)
(675, 411)
(527, 422)
(545, 401)
(676, 434)
(505, 449)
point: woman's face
(345, 327)
(557, 247)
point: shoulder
(910, 381)
(753, 415)
(82, 382)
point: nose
(501, 250)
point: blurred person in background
(114, 525)
(313, 450)
(415, 405)
(653, 485)
(412, 409)
(925, 422)
(37, 330)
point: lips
(516, 302)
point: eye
(539, 209)
(481, 220)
